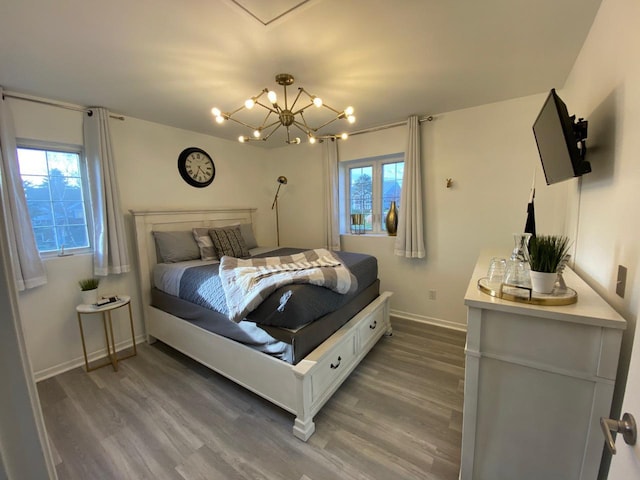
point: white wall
(488, 151)
(146, 157)
(604, 87)
(490, 154)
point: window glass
(391, 187)
(361, 189)
(371, 185)
(55, 193)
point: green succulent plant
(546, 252)
(89, 284)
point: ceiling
(171, 61)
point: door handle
(626, 426)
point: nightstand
(105, 311)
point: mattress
(289, 324)
(291, 306)
(287, 344)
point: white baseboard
(429, 320)
(79, 361)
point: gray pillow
(176, 246)
(205, 244)
(247, 234)
(229, 241)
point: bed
(300, 386)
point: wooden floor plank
(163, 416)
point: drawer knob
(337, 364)
(373, 326)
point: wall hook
(449, 182)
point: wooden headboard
(148, 221)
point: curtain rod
(427, 118)
(75, 108)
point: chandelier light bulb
(219, 119)
(256, 133)
(216, 112)
(273, 98)
(317, 101)
(249, 103)
(351, 119)
(297, 140)
(312, 139)
(348, 111)
(241, 139)
(344, 136)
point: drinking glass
(495, 274)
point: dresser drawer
(333, 367)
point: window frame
(49, 146)
(376, 162)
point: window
(54, 185)
(370, 185)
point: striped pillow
(205, 244)
(229, 241)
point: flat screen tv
(561, 141)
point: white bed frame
(301, 389)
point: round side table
(105, 311)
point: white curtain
(410, 236)
(109, 238)
(331, 207)
(27, 265)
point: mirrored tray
(513, 293)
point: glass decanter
(518, 272)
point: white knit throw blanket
(247, 282)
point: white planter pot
(543, 282)
(89, 297)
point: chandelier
(285, 115)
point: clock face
(196, 167)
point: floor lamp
(281, 181)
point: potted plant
(546, 254)
(89, 290)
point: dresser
(537, 381)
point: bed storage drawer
(369, 331)
(332, 366)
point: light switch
(621, 282)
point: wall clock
(196, 167)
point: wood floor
(398, 416)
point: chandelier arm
(242, 123)
(303, 90)
(262, 92)
(303, 109)
(277, 122)
(289, 137)
(297, 97)
(264, 122)
(271, 109)
(304, 122)
(229, 114)
(327, 123)
(304, 128)
(340, 114)
(272, 131)
(243, 107)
